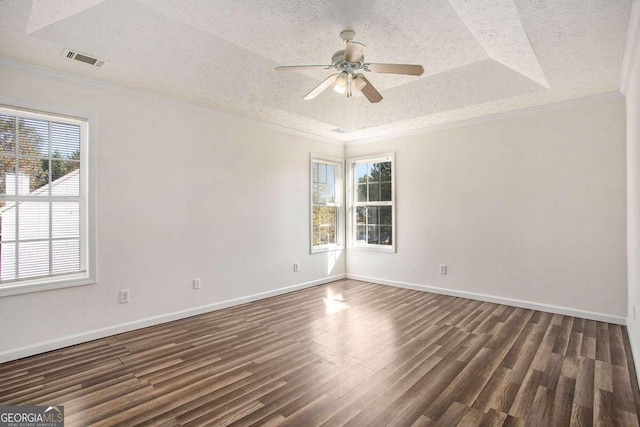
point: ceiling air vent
(82, 57)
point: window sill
(46, 284)
(330, 248)
(376, 248)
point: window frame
(87, 201)
(338, 204)
(353, 203)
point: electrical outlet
(124, 296)
(196, 283)
(443, 269)
(296, 267)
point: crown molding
(343, 140)
(632, 47)
(35, 69)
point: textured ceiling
(480, 57)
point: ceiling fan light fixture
(358, 82)
(341, 82)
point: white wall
(529, 208)
(633, 185)
(183, 192)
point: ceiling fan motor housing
(339, 63)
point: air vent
(83, 57)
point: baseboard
(56, 344)
(601, 317)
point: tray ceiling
(480, 57)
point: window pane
(362, 192)
(324, 225)
(7, 261)
(66, 256)
(65, 178)
(372, 217)
(324, 190)
(66, 219)
(314, 172)
(385, 171)
(8, 222)
(362, 172)
(7, 134)
(32, 137)
(361, 215)
(7, 175)
(322, 172)
(33, 259)
(372, 234)
(33, 221)
(331, 174)
(323, 215)
(385, 235)
(327, 235)
(34, 175)
(374, 192)
(65, 141)
(385, 192)
(316, 235)
(361, 233)
(326, 193)
(385, 215)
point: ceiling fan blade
(301, 67)
(410, 69)
(322, 86)
(369, 91)
(354, 51)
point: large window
(372, 216)
(44, 241)
(326, 203)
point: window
(372, 219)
(44, 241)
(326, 204)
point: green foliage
(20, 139)
(324, 225)
(376, 172)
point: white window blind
(43, 200)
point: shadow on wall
(333, 257)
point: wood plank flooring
(347, 353)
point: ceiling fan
(348, 62)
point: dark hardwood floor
(346, 353)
